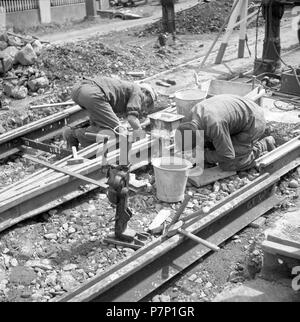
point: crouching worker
(102, 98)
(232, 127)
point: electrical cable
(249, 51)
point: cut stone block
(259, 290)
(286, 230)
(157, 223)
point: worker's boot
(270, 143)
(263, 146)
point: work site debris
(26, 56)
(21, 72)
(23, 81)
(15, 50)
(201, 18)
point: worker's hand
(210, 156)
(138, 135)
(134, 122)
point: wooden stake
(219, 34)
(233, 18)
(243, 28)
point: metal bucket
(171, 175)
(186, 99)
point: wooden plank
(45, 174)
(40, 175)
(279, 249)
(11, 200)
(208, 176)
(283, 241)
(65, 171)
(49, 200)
(87, 152)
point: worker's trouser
(80, 135)
(92, 99)
(75, 136)
(247, 147)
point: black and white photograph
(149, 154)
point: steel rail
(53, 188)
(155, 264)
(48, 127)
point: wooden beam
(283, 240)
(12, 197)
(279, 249)
(65, 171)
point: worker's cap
(150, 90)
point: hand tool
(75, 159)
(118, 193)
(176, 227)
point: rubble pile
(19, 55)
(202, 18)
(92, 57)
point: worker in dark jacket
(102, 98)
(232, 127)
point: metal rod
(199, 240)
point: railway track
(161, 260)
(33, 134)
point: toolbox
(165, 121)
(289, 83)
